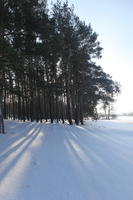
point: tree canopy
(47, 68)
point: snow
(62, 162)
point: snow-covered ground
(126, 119)
(62, 162)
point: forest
(48, 67)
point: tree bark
(1, 116)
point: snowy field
(62, 162)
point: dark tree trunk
(1, 116)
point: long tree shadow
(82, 158)
(117, 139)
(15, 133)
(14, 154)
(86, 169)
(97, 161)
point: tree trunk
(1, 116)
(68, 95)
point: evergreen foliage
(47, 68)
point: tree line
(47, 64)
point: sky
(113, 21)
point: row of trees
(47, 68)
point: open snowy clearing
(62, 162)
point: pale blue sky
(113, 21)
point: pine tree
(47, 68)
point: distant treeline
(127, 114)
(47, 68)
